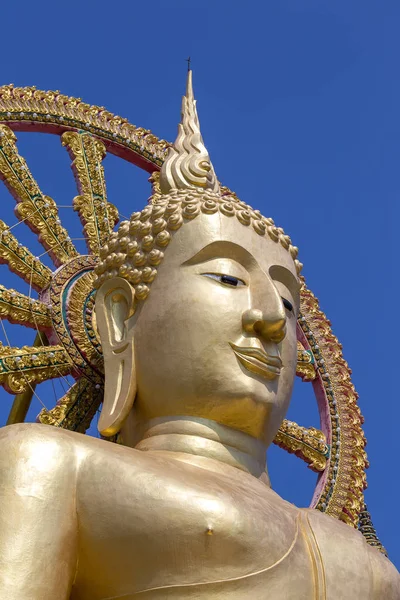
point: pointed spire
(188, 164)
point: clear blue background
(299, 104)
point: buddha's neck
(201, 442)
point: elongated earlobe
(114, 306)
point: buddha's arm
(37, 514)
(385, 576)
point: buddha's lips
(258, 361)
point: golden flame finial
(188, 164)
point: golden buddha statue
(196, 308)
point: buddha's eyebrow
(222, 249)
(285, 276)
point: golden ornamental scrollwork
(96, 214)
(83, 330)
(20, 261)
(39, 211)
(76, 409)
(37, 107)
(343, 494)
(22, 367)
(305, 363)
(307, 443)
(18, 308)
(75, 324)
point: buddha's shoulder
(34, 438)
(27, 433)
(86, 452)
(344, 548)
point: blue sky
(298, 102)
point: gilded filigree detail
(22, 367)
(37, 107)
(343, 494)
(76, 409)
(305, 367)
(18, 308)
(37, 210)
(96, 214)
(21, 262)
(307, 443)
(366, 527)
(74, 281)
(81, 320)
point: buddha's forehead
(207, 230)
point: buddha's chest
(182, 529)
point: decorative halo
(64, 317)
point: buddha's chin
(249, 412)
(256, 411)
(234, 398)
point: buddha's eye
(225, 279)
(288, 305)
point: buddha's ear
(114, 307)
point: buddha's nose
(271, 327)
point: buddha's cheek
(182, 352)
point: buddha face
(216, 338)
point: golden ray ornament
(18, 308)
(21, 262)
(65, 307)
(22, 367)
(37, 210)
(96, 214)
